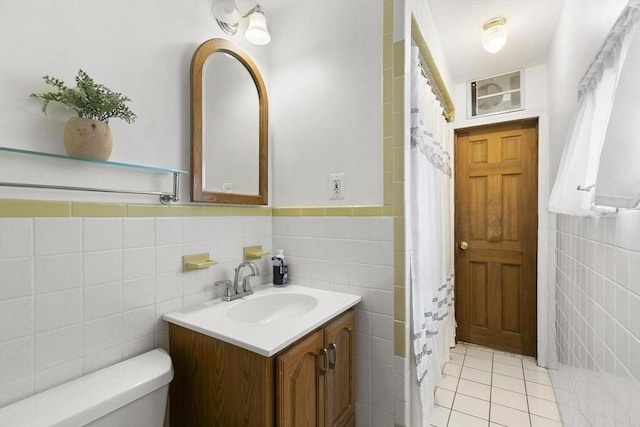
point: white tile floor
(490, 388)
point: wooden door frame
(541, 336)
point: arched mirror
(229, 138)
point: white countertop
(266, 338)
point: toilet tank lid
(92, 396)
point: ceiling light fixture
(228, 17)
(494, 34)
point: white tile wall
(401, 387)
(354, 255)
(55, 236)
(78, 294)
(598, 319)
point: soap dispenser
(280, 269)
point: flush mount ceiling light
(228, 17)
(494, 34)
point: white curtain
(572, 192)
(430, 238)
(618, 182)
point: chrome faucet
(231, 289)
(246, 283)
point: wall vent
(496, 95)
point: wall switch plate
(336, 186)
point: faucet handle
(228, 284)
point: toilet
(132, 393)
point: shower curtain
(430, 238)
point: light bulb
(257, 32)
(494, 35)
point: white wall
(326, 101)
(141, 48)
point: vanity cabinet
(309, 383)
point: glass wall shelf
(165, 197)
(100, 162)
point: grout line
(455, 393)
(526, 393)
(491, 386)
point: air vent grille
(496, 95)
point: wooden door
(339, 390)
(300, 384)
(496, 216)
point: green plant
(88, 99)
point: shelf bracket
(165, 198)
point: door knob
(464, 246)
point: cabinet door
(339, 392)
(218, 384)
(300, 384)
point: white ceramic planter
(88, 138)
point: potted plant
(87, 135)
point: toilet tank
(129, 393)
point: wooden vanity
(308, 383)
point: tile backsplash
(79, 294)
(598, 319)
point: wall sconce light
(228, 17)
(494, 34)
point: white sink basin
(267, 321)
(267, 308)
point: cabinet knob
(325, 367)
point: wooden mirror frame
(197, 64)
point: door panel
(511, 148)
(479, 290)
(511, 190)
(478, 197)
(496, 213)
(511, 286)
(493, 210)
